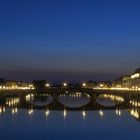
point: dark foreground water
(24, 123)
(54, 126)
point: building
(128, 81)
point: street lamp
(65, 84)
(84, 84)
(48, 85)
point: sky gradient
(69, 39)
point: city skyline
(68, 40)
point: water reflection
(12, 101)
(14, 111)
(74, 100)
(101, 113)
(47, 113)
(39, 100)
(70, 102)
(135, 103)
(84, 114)
(118, 112)
(65, 113)
(30, 112)
(2, 109)
(109, 100)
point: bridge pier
(2, 100)
(93, 99)
(55, 99)
(127, 100)
(22, 98)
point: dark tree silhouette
(2, 81)
(40, 85)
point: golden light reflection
(30, 112)
(101, 113)
(11, 102)
(2, 109)
(84, 114)
(135, 113)
(65, 113)
(135, 103)
(47, 113)
(113, 97)
(14, 111)
(118, 112)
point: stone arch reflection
(135, 113)
(74, 100)
(39, 100)
(12, 101)
(109, 100)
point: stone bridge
(56, 92)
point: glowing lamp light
(47, 85)
(84, 84)
(64, 84)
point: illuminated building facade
(129, 81)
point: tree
(2, 81)
(40, 85)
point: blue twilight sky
(69, 39)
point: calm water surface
(25, 123)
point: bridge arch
(74, 99)
(39, 100)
